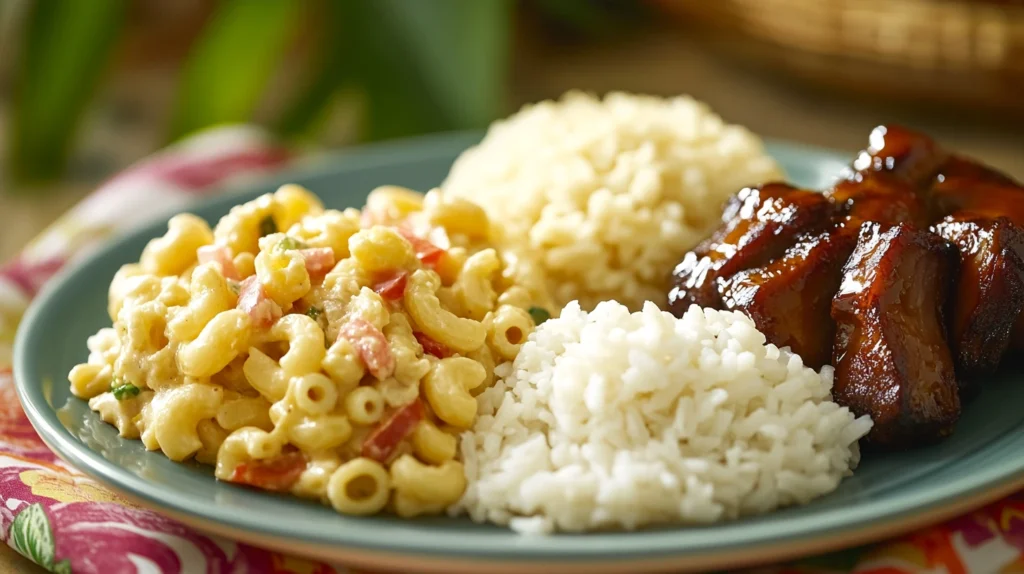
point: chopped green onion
(124, 391)
(314, 313)
(235, 287)
(268, 226)
(289, 243)
(539, 315)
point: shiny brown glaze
(790, 299)
(918, 317)
(880, 199)
(900, 153)
(966, 185)
(891, 356)
(989, 292)
(758, 224)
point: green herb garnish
(289, 243)
(539, 314)
(314, 313)
(235, 287)
(268, 226)
(124, 391)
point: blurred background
(89, 86)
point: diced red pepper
(432, 347)
(319, 260)
(277, 474)
(219, 254)
(253, 299)
(431, 257)
(428, 253)
(393, 287)
(386, 437)
(372, 347)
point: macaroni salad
(334, 355)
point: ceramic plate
(888, 494)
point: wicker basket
(969, 53)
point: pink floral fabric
(66, 522)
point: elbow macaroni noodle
(459, 333)
(346, 385)
(175, 252)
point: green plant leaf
(303, 112)
(430, 65)
(461, 46)
(32, 537)
(232, 62)
(331, 69)
(582, 15)
(592, 19)
(66, 48)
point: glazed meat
(1017, 335)
(880, 199)
(790, 299)
(989, 292)
(907, 276)
(891, 356)
(759, 224)
(899, 153)
(963, 184)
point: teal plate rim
(432, 537)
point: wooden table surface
(659, 63)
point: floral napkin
(66, 522)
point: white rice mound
(619, 420)
(610, 193)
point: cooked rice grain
(611, 193)
(619, 420)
